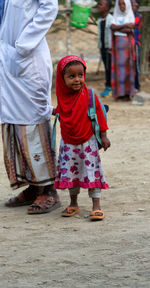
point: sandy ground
(50, 251)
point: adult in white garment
(25, 102)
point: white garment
(120, 18)
(25, 62)
(107, 34)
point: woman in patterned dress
(123, 51)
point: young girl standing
(79, 164)
(123, 51)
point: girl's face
(122, 5)
(102, 6)
(74, 76)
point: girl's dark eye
(71, 76)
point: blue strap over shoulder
(53, 140)
(93, 116)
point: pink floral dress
(80, 166)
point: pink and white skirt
(80, 166)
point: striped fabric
(27, 154)
(123, 66)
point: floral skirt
(80, 166)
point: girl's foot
(70, 211)
(96, 215)
(73, 208)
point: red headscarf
(76, 127)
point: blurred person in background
(123, 51)
(104, 42)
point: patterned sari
(123, 66)
(27, 154)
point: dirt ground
(49, 251)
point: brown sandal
(44, 204)
(25, 197)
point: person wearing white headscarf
(128, 14)
(123, 54)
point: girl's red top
(76, 127)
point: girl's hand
(105, 141)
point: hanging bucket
(80, 16)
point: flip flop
(70, 211)
(96, 215)
(43, 204)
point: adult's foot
(26, 197)
(123, 98)
(107, 92)
(44, 204)
(51, 191)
